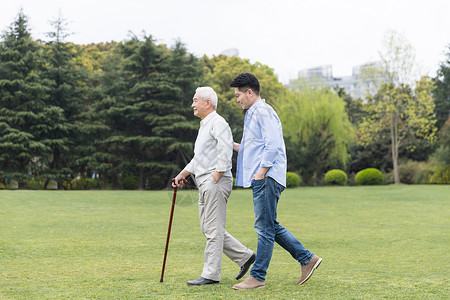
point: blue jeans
(266, 193)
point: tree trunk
(141, 178)
(394, 147)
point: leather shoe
(246, 266)
(308, 269)
(201, 281)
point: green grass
(376, 242)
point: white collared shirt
(213, 149)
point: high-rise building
(357, 85)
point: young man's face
(243, 98)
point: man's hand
(217, 175)
(261, 174)
(180, 178)
(236, 146)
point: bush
(52, 185)
(292, 180)
(434, 175)
(130, 182)
(408, 172)
(369, 176)
(82, 183)
(13, 185)
(336, 177)
(34, 184)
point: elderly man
(211, 166)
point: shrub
(434, 175)
(52, 185)
(13, 185)
(409, 171)
(34, 184)
(336, 177)
(130, 182)
(81, 183)
(292, 180)
(369, 176)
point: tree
(442, 92)
(395, 105)
(63, 103)
(402, 113)
(22, 103)
(317, 128)
(221, 70)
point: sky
(286, 35)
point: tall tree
(402, 113)
(22, 102)
(187, 73)
(64, 80)
(318, 130)
(388, 107)
(442, 92)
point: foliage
(441, 92)
(34, 184)
(369, 176)
(22, 102)
(221, 70)
(82, 183)
(436, 174)
(292, 180)
(317, 130)
(116, 109)
(336, 176)
(442, 154)
(130, 182)
(401, 114)
(409, 172)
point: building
(357, 85)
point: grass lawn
(376, 242)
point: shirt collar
(208, 118)
(256, 105)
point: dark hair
(246, 80)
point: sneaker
(249, 283)
(307, 270)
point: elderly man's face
(200, 106)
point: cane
(170, 227)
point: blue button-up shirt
(262, 145)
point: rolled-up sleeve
(190, 167)
(221, 132)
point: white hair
(206, 92)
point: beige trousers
(212, 205)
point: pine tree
(57, 122)
(22, 102)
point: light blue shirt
(262, 145)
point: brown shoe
(307, 270)
(249, 283)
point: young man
(261, 164)
(211, 166)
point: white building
(355, 85)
